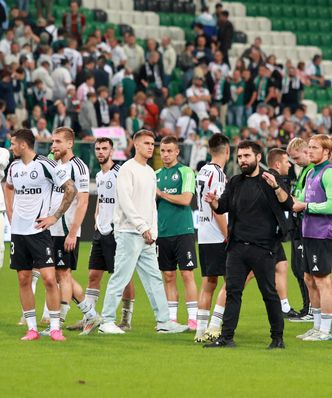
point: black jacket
(228, 203)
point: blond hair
(296, 144)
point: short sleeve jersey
(175, 219)
(79, 173)
(210, 178)
(33, 184)
(106, 190)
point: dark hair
(25, 135)
(256, 148)
(101, 89)
(218, 143)
(170, 139)
(99, 140)
(225, 13)
(142, 133)
(274, 155)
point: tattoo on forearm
(68, 197)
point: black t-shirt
(249, 89)
(254, 221)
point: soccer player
(278, 163)
(316, 202)
(4, 161)
(297, 150)
(28, 192)
(103, 245)
(66, 231)
(135, 226)
(212, 237)
(176, 239)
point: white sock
(317, 317)
(285, 305)
(92, 296)
(173, 310)
(325, 324)
(216, 317)
(46, 314)
(64, 308)
(35, 277)
(202, 320)
(127, 311)
(87, 309)
(192, 310)
(54, 320)
(30, 317)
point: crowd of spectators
(52, 76)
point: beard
(58, 155)
(248, 169)
(105, 160)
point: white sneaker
(307, 334)
(318, 336)
(110, 328)
(171, 327)
(90, 325)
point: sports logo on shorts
(109, 184)
(190, 264)
(33, 175)
(189, 255)
(60, 253)
(175, 177)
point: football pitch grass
(142, 363)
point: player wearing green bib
(298, 151)
(176, 240)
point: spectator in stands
(256, 46)
(72, 106)
(88, 66)
(292, 89)
(220, 92)
(133, 123)
(324, 121)
(255, 61)
(302, 75)
(236, 105)
(14, 56)
(286, 132)
(36, 114)
(208, 21)
(314, 71)
(102, 73)
(44, 8)
(29, 38)
(102, 107)
(43, 73)
(9, 84)
(256, 118)
(218, 63)
(151, 118)
(302, 122)
(134, 54)
(129, 88)
(262, 84)
(169, 59)
(41, 132)
(172, 112)
(74, 56)
(74, 22)
(215, 119)
(86, 87)
(199, 97)
(199, 31)
(286, 115)
(217, 11)
(151, 46)
(61, 117)
(6, 42)
(187, 63)
(185, 125)
(225, 32)
(61, 78)
(119, 57)
(87, 116)
(249, 95)
(151, 75)
(204, 132)
(202, 53)
(3, 124)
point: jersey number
(12, 248)
(201, 188)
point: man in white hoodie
(135, 231)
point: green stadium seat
(326, 39)
(88, 14)
(62, 3)
(301, 25)
(300, 12)
(277, 24)
(289, 11)
(314, 13)
(310, 93)
(178, 20)
(190, 35)
(314, 39)
(252, 9)
(322, 12)
(327, 53)
(165, 19)
(313, 26)
(177, 74)
(329, 94)
(173, 88)
(325, 26)
(232, 131)
(289, 24)
(264, 10)
(275, 11)
(321, 95)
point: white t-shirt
(224, 68)
(187, 126)
(200, 107)
(79, 173)
(33, 184)
(255, 120)
(75, 59)
(210, 178)
(106, 190)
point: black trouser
(241, 259)
(298, 270)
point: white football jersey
(33, 184)
(106, 185)
(210, 178)
(79, 173)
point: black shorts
(279, 253)
(317, 256)
(102, 252)
(177, 250)
(64, 259)
(31, 251)
(212, 257)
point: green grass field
(145, 364)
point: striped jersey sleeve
(54, 172)
(80, 174)
(218, 181)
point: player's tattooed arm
(68, 197)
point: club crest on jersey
(109, 184)
(175, 177)
(33, 175)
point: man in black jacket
(255, 204)
(225, 32)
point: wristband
(275, 188)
